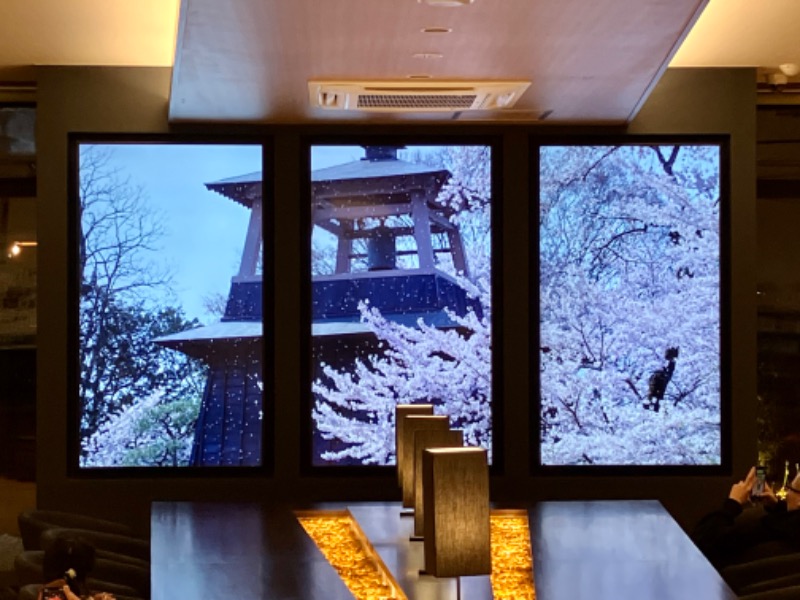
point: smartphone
(53, 593)
(761, 477)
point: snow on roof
(357, 169)
(205, 341)
(236, 187)
(216, 331)
(368, 169)
(254, 177)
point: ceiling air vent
(415, 96)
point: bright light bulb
(15, 250)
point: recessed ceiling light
(437, 30)
(446, 2)
(428, 55)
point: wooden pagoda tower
(229, 427)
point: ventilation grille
(418, 101)
(415, 96)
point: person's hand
(69, 595)
(767, 497)
(65, 589)
(740, 491)
(57, 583)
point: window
(631, 351)
(401, 281)
(169, 303)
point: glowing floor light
(512, 560)
(347, 549)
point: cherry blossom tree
(449, 367)
(629, 264)
(151, 432)
(119, 365)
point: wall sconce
(456, 504)
(16, 248)
(779, 79)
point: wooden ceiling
(594, 62)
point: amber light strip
(347, 549)
(512, 561)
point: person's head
(793, 494)
(67, 557)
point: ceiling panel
(588, 62)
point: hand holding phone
(761, 477)
(53, 593)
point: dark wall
(135, 99)
(18, 412)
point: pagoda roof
(254, 177)
(373, 169)
(200, 342)
(354, 326)
(241, 188)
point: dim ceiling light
(446, 3)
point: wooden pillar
(457, 251)
(422, 230)
(252, 243)
(344, 248)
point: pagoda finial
(381, 152)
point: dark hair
(67, 557)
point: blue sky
(204, 231)
(328, 156)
